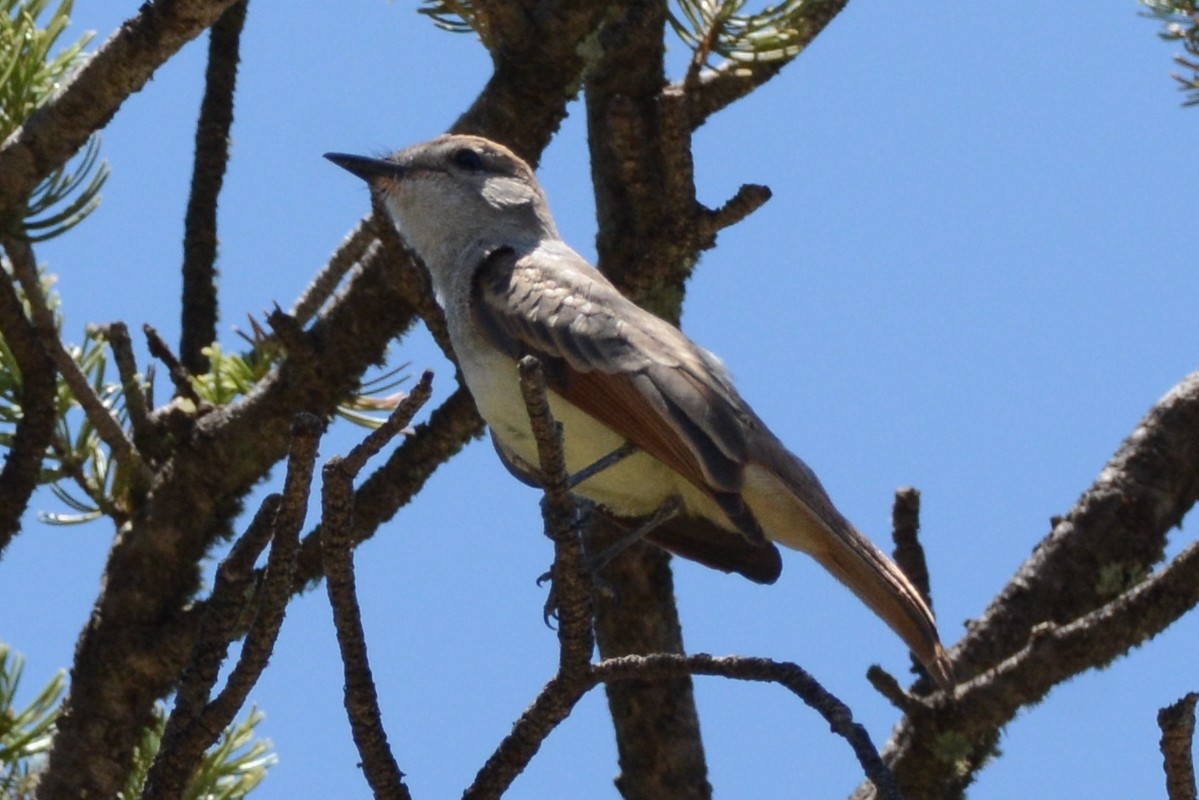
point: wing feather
(622, 365)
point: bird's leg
(583, 511)
(599, 465)
(667, 511)
(585, 507)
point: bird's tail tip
(940, 669)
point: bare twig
(274, 592)
(399, 419)
(793, 677)
(748, 199)
(337, 504)
(552, 706)
(179, 375)
(905, 526)
(571, 595)
(361, 700)
(909, 555)
(136, 403)
(183, 741)
(199, 300)
(288, 331)
(354, 248)
(390, 487)
(38, 395)
(1177, 723)
(888, 686)
(571, 583)
(25, 268)
(560, 695)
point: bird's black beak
(367, 168)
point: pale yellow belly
(635, 486)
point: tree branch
(121, 66)
(665, 665)
(199, 298)
(37, 397)
(571, 585)
(390, 487)
(136, 404)
(561, 694)
(25, 268)
(712, 90)
(643, 177)
(270, 602)
(539, 720)
(1112, 536)
(355, 248)
(1077, 603)
(337, 504)
(1177, 723)
(909, 555)
(183, 741)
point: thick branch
(538, 65)
(1075, 604)
(1113, 535)
(645, 204)
(640, 162)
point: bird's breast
(636, 486)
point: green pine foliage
(24, 734)
(1180, 23)
(31, 70)
(235, 765)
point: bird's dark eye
(468, 160)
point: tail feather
(793, 509)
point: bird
(620, 380)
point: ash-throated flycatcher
(476, 216)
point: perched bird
(474, 213)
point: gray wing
(636, 373)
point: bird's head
(457, 194)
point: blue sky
(975, 277)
